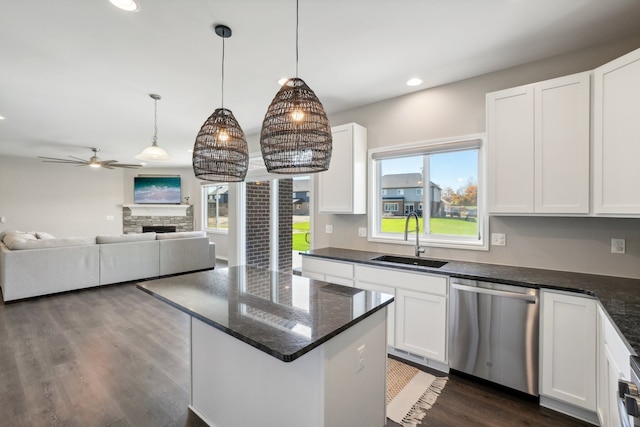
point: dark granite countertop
(619, 296)
(283, 315)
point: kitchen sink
(423, 262)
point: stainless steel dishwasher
(493, 333)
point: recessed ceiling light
(414, 82)
(283, 80)
(1, 117)
(128, 5)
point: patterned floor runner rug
(410, 392)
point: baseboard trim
(585, 415)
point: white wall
(59, 199)
(573, 244)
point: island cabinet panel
(235, 385)
(568, 354)
(342, 189)
(616, 136)
(538, 139)
(613, 365)
(340, 273)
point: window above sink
(442, 181)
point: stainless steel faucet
(419, 250)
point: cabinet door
(421, 326)
(568, 349)
(343, 187)
(510, 132)
(616, 136)
(391, 308)
(562, 120)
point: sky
(452, 169)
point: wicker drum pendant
(296, 135)
(221, 152)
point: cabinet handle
(529, 298)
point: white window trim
(433, 146)
(205, 207)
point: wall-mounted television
(156, 190)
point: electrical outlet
(3, 219)
(362, 231)
(617, 246)
(328, 228)
(498, 239)
(109, 217)
(360, 356)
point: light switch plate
(328, 228)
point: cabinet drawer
(400, 279)
(328, 268)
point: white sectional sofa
(32, 266)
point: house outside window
(441, 181)
(216, 207)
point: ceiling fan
(94, 161)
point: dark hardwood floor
(115, 356)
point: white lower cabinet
(421, 324)
(338, 272)
(418, 322)
(568, 354)
(613, 365)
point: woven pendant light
(221, 153)
(296, 134)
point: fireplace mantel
(157, 210)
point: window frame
(421, 148)
(205, 208)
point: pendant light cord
(155, 121)
(222, 89)
(297, 25)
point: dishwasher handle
(531, 299)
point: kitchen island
(269, 348)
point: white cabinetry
(337, 272)
(568, 354)
(343, 188)
(616, 136)
(613, 364)
(369, 278)
(538, 137)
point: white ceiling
(77, 73)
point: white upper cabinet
(510, 127)
(616, 136)
(538, 138)
(343, 188)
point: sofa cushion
(180, 235)
(16, 237)
(44, 236)
(133, 237)
(18, 243)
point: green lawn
(299, 244)
(446, 226)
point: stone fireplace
(135, 217)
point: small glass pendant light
(154, 153)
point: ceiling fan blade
(107, 162)
(79, 159)
(125, 165)
(53, 160)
